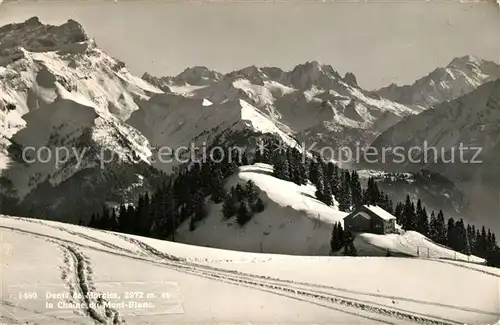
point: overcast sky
(381, 42)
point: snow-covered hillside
(461, 76)
(292, 212)
(68, 267)
(410, 243)
(174, 121)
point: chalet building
(370, 218)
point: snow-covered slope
(410, 243)
(292, 212)
(462, 75)
(174, 121)
(41, 258)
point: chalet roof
(380, 212)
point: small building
(370, 218)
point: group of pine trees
(242, 202)
(342, 239)
(456, 234)
(330, 180)
(181, 197)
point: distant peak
(316, 65)
(146, 75)
(350, 79)
(250, 69)
(197, 76)
(197, 71)
(313, 67)
(33, 21)
(459, 62)
(196, 68)
(313, 63)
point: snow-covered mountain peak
(461, 76)
(162, 83)
(197, 76)
(191, 76)
(303, 76)
(463, 61)
(350, 79)
(31, 75)
(251, 73)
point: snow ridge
(461, 76)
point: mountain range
(59, 90)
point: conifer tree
(341, 236)
(451, 238)
(218, 192)
(398, 213)
(281, 168)
(323, 190)
(388, 204)
(344, 195)
(333, 239)
(259, 206)
(441, 228)
(314, 171)
(229, 206)
(407, 214)
(461, 236)
(356, 192)
(192, 224)
(483, 244)
(113, 221)
(422, 219)
(251, 192)
(243, 215)
(240, 192)
(433, 228)
(337, 238)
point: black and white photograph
(249, 162)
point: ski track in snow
(76, 272)
(292, 289)
(79, 266)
